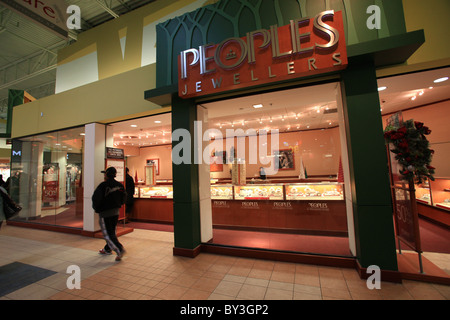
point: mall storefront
(303, 91)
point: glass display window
(46, 178)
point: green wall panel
(234, 18)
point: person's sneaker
(120, 255)
(103, 251)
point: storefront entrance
(277, 171)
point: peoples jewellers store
(250, 128)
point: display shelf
(259, 192)
(222, 192)
(158, 192)
(315, 191)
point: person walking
(130, 192)
(2, 213)
(108, 198)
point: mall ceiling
(28, 51)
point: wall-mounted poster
(286, 160)
(153, 162)
(50, 185)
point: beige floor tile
(217, 296)
(365, 296)
(228, 288)
(195, 294)
(206, 284)
(283, 276)
(334, 293)
(299, 295)
(251, 292)
(172, 292)
(443, 289)
(422, 291)
(260, 273)
(307, 289)
(234, 278)
(257, 282)
(307, 279)
(333, 283)
(185, 280)
(278, 294)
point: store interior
(310, 127)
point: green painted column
(15, 98)
(372, 205)
(186, 207)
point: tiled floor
(150, 271)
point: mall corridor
(34, 264)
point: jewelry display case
(259, 192)
(315, 191)
(160, 192)
(222, 192)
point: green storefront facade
(367, 49)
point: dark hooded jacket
(109, 195)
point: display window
(46, 178)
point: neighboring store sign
(114, 153)
(49, 13)
(303, 48)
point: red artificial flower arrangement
(411, 149)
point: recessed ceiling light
(441, 80)
(382, 88)
(157, 121)
(257, 106)
(133, 126)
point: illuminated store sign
(304, 47)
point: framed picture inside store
(218, 158)
(286, 160)
(153, 162)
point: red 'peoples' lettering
(304, 47)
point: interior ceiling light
(382, 88)
(441, 80)
(157, 121)
(257, 106)
(133, 126)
